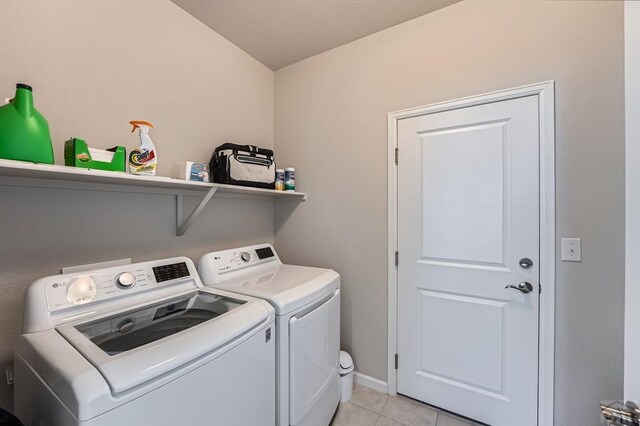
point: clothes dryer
(307, 303)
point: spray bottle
(143, 160)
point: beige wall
(94, 66)
(331, 125)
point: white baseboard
(369, 382)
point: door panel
(468, 210)
(477, 153)
(446, 359)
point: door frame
(546, 330)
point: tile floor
(371, 408)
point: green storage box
(78, 154)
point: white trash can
(346, 376)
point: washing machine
(143, 344)
(307, 304)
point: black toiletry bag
(245, 165)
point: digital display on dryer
(264, 253)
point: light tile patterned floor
(371, 408)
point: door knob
(524, 287)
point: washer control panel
(65, 291)
(174, 271)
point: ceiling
(281, 32)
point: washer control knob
(82, 290)
(245, 256)
(125, 280)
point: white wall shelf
(25, 174)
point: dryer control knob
(125, 280)
(245, 256)
(82, 290)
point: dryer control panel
(68, 290)
(214, 265)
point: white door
(468, 216)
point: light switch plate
(571, 250)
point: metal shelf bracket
(181, 224)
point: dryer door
(314, 351)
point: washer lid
(286, 287)
(133, 347)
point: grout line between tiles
(368, 409)
(365, 408)
(385, 404)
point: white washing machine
(143, 344)
(307, 303)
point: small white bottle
(290, 179)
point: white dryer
(307, 303)
(143, 344)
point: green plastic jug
(24, 132)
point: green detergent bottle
(24, 132)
